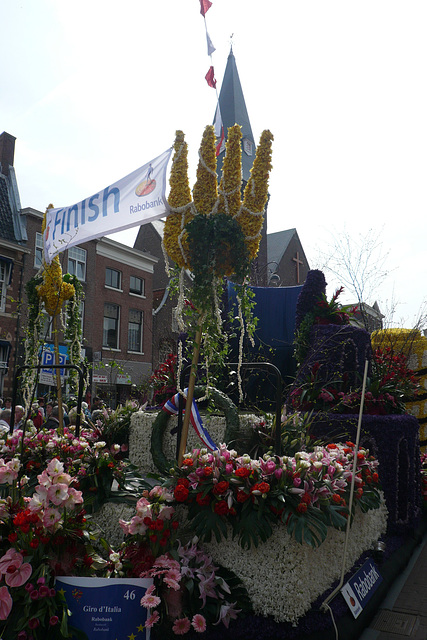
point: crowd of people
(44, 413)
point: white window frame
(141, 335)
(111, 286)
(5, 268)
(38, 250)
(140, 294)
(77, 256)
(105, 344)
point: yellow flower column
(256, 194)
(231, 178)
(413, 345)
(54, 292)
(205, 191)
(180, 202)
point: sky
(95, 89)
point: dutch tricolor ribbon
(171, 407)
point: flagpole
(190, 391)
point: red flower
(302, 507)
(221, 508)
(221, 487)
(306, 497)
(242, 496)
(262, 487)
(181, 493)
(242, 472)
(207, 471)
(187, 462)
(202, 501)
(184, 481)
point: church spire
(233, 111)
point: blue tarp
(275, 309)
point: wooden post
(190, 392)
(58, 375)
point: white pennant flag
(211, 48)
(137, 199)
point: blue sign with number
(106, 608)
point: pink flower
(199, 623)
(181, 626)
(19, 576)
(5, 603)
(149, 601)
(136, 525)
(33, 623)
(124, 525)
(166, 512)
(11, 557)
(227, 613)
(51, 517)
(152, 620)
(74, 497)
(57, 493)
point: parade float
(224, 541)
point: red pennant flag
(205, 5)
(210, 78)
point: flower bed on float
(290, 504)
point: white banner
(137, 199)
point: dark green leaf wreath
(217, 248)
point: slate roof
(277, 244)
(233, 111)
(6, 218)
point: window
(113, 278)
(110, 334)
(5, 274)
(38, 251)
(137, 286)
(77, 262)
(135, 330)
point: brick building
(13, 257)
(116, 311)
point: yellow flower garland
(54, 291)
(231, 179)
(256, 195)
(205, 192)
(414, 345)
(180, 202)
